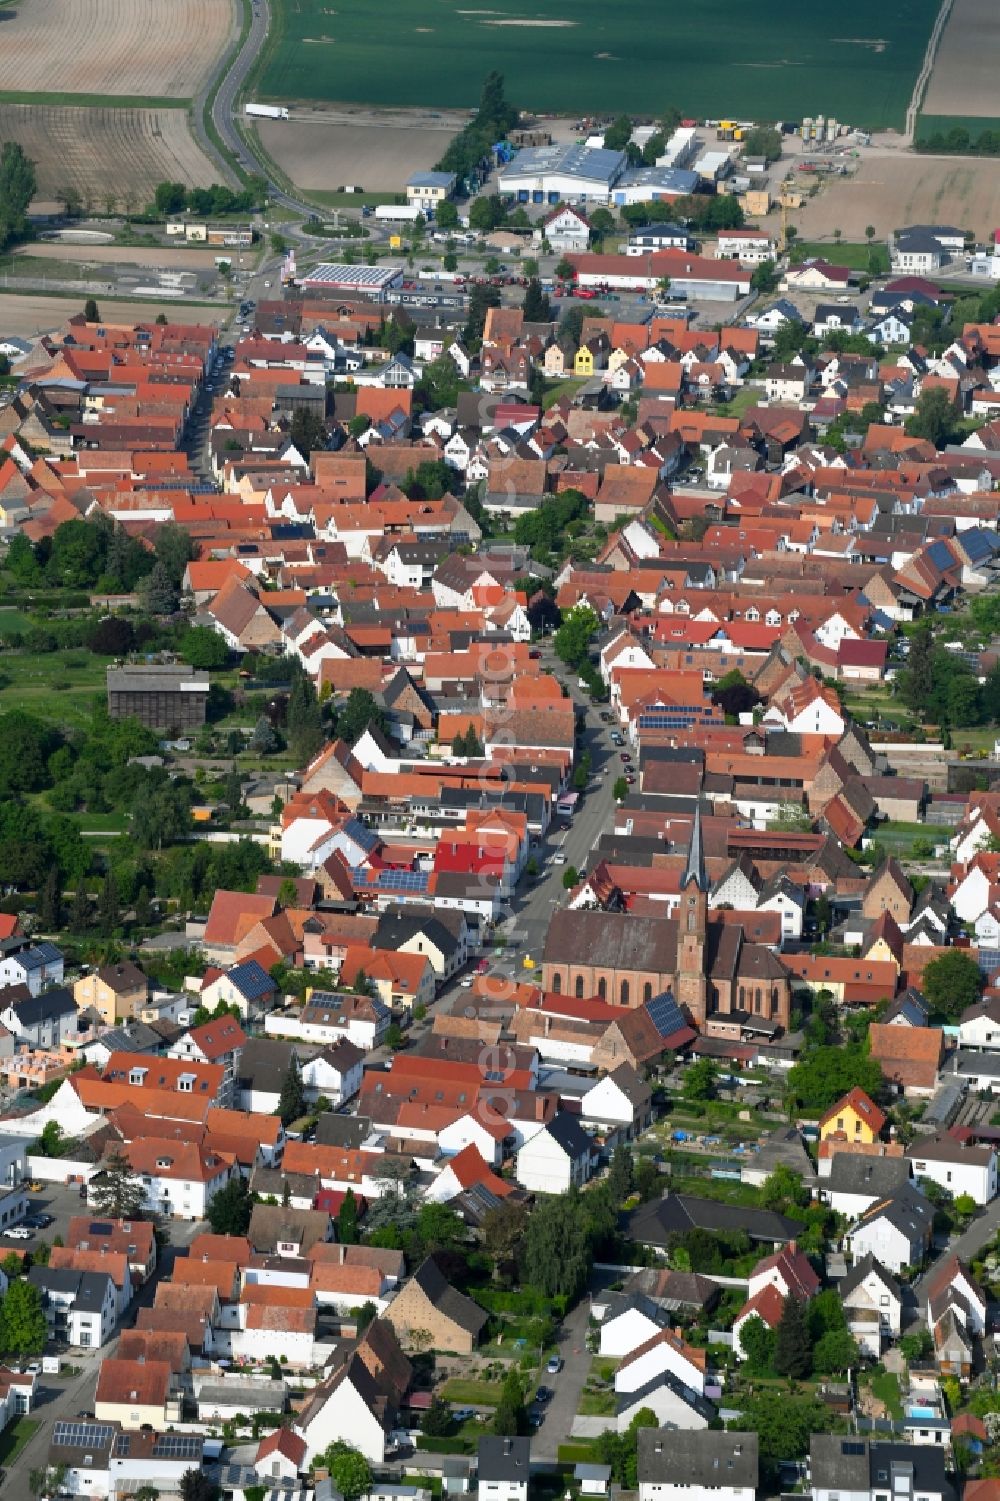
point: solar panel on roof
(83, 1435)
(665, 1014)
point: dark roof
(349, 1131)
(264, 1063)
(398, 927)
(652, 1223)
(877, 1176)
(839, 1463)
(615, 940)
(447, 1299)
(251, 980)
(32, 1009)
(567, 1132)
(504, 1458)
(860, 1270)
(707, 1457)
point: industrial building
(589, 174)
(162, 698)
(690, 276)
(366, 281)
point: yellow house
(118, 992)
(853, 1118)
(583, 361)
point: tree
(964, 1206)
(308, 431)
(51, 1139)
(502, 1233)
(565, 270)
(50, 902)
(47, 1480)
(360, 711)
(158, 591)
(175, 549)
(107, 905)
(572, 639)
(933, 417)
(347, 1220)
(784, 1423)
(952, 982)
(230, 1210)
(570, 876)
(23, 1329)
(204, 648)
(91, 311)
(446, 215)
(487, 213)
(263, 741)
(537, 308)
(196, 1486)
(823, 1074)
(757, 1343)
(510, 1418)
(783, 1190)
(620, 1174)
(349, 1470)
(835, 1353)
(699, 1080)
(17, 189)
(80, 910)
(734, 695)
(792, 1345)
(292, 1100)
(116, 1192)
(437, 1420)
(304, 720)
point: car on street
(17, 1233)
(625, 757)
(482, 966)
(630, 779)
(554, 1366)
(559, 859)
(544, 1394)
(466, 982)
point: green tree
(360, 711)
(197, 1486)
(159, 592)
(308, 431)
(782, 1190)
(437, 1420)
(763, 140)
(263, 741)
(174, 547)
(23, 1330)
(51, 1139)
(487, 213)
(230, 1210)
(26, 744)
(17, 189)
(699, 1079)
(292, 1100)
(80, 910)
(792, 1344)
(757, 1342)
(116, 1192)
(50, 902)
(502, 1234)
(446, 215)
(823, 1074)
(836, 1353)
(565, 270)
(784, 1423)
(952, 982)
(537, 308)
(934, 417)
(570, 876)
(509, 1417)
(620, 1175)
(349, 1470)
(107, 905)
(347, 1220)
(304, 720)
(620, 789)
(572, 639)
(203, 648)
(618, 134)
(91, 311)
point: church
(725, 985)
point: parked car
(482, 966)
(555, 1365)
(17, 1232)
(544, 1394)
(626, 757)
(559, 859)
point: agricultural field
(168, 259)
(113, 47)
(892, 188)
(963, 80)
(324, 150)
(105, 153)
(27, 314)
(721, 57)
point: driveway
(567, 1387)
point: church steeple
(695, 870)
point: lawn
(476, 1393)
(560, 388)
(873, 259)
(783, 60)
(885, 1386)
(13, 1439)
(57, 686)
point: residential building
(706, 1465)
(503, 1468)
(557, 1158)
(873, 1305)
(117, 991)
(864, 1469)
(429, 1302)
(80, 1307)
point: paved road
(567, 1386)
(968, 1245)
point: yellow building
(853, 1118)
(118, 992)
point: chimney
(793, 1246)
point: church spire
(695, 870)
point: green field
(929, 125)
(767, 59)
(873, 258)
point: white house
(979, 1026)
(80, 1307)
(666, 1351)
(621, 1100)
(343, 1407)
(558, 1157)
(566, 228)
(335, 1073)
(675, 1405)
(35, 965)
(873, 1305)
(962, 1167)
(503, 1468)
(706, 1465)
(896, 1231)
(844, 1467)
(629, 1321)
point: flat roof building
(160, 697)
(550, 174)
(369, 281)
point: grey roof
(653, 1222)
(786, 1146)
(504, 1458)
(907, 1210)
(48, 1004)
(398, 926)
(710, 1458)
(88, 1289)
(447, 1299)
(584, 162)
(349, 1131)
(430, 180)
(695, 868)
(157, 680)
(876, 1176)
(860, 1270)
(264, 1063)
(634, 1400)
(853, 1464)
(271, 1223)
(567, 1132)
(616, 940)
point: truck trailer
(266, 111)
(401, 213)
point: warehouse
(554, 174)
(368, 281)
(161, 698)
(689, 275)
(653, 185)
